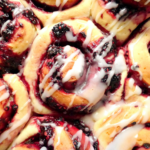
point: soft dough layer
(81, 70)
(22, 110)
(82, 9)
(53, 132)
(117, 18)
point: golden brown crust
(57, 133)
(80, 10)
(38, 48)
(139, 53)
(108, 20)
(23, 112)
(131, 113)
(23, 37)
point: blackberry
(53, 51)
(95, 145)
(147, 124)
(6, 6)
(133, 123)
(104, 79)
(60, 29)
(80, 125)
(115, 82)
(3, 18)
(14, 107)
(146, 145)
(30, 15)
(8, 31)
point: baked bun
(18, 28)
(117, 18)
(15, 109)
(138, 51)
(49, 132)
(125, 124)
(54, 11)
(73, 76)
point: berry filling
(68, 71)
(48, 126)
(130, 11)
(7, 106)
(10, 13)
(51, 7)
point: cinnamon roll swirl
(71, 66)
(15, 108)
(125, 124)
(54, 11)
(18, 28)
(117, 18)
(55, 133)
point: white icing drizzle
(51, 19)
(148, 1)
(126, 139)
(131, 82)
(4, 96)
(122, 123)
(55, 13)
(18, 10)
(70, 37)
(43, 148)
(109, 5)
(58, 3)
(51, 140)
(2, 87)
(48, 124)
(14, 126)
(69, 59)
(25, 104)
(77, 134)
(4, 25)
(63, 3)
(146, 110)
(89, 33)
(58, 132)
(72, 100)
(137, 91)
(131, 49)
(77, 69)
(94, 88)
(87, 140)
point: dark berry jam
(47, 130)
(49, 8)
